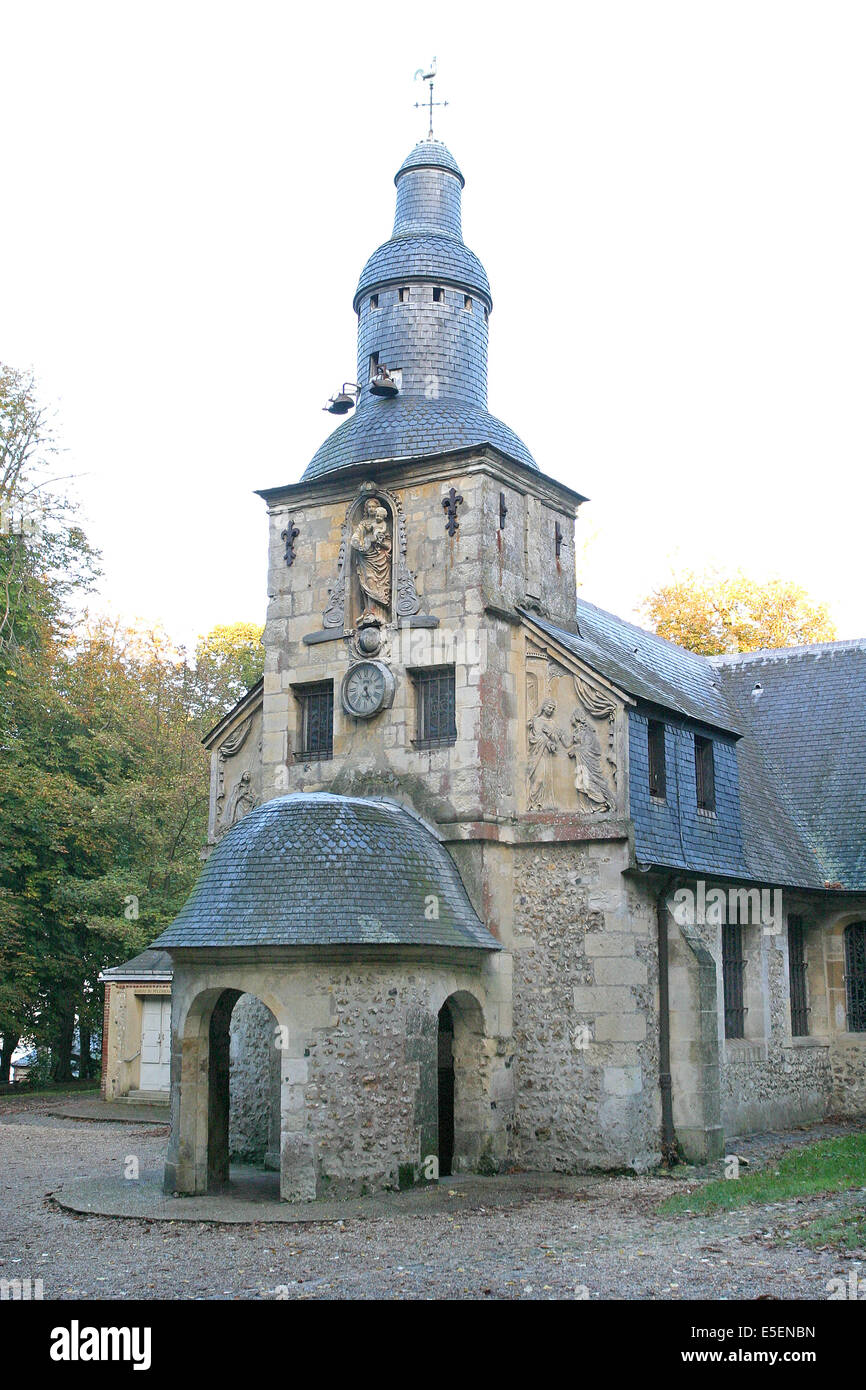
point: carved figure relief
(581, 744)
(242, 799)
(542, 738)
(229, 748)
(371, 544)
(587, 735)
(374, 585)
(235, 776)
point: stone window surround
(824, 948)
(755, 997)
(416, 674)
(834, 969)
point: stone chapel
(452, 830)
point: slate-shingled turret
(325, 870)
(423, 303)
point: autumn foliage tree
(714, 613)
(103, 779)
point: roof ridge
(780, 653)
(645, 631)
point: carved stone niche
(574, 739)
(374, 587)
(236, 774)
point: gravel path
(605, 1243)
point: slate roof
(647, 666)
(807, 709)
(430, 342)
(424, 256)
(148, 963)
(324, 870)
(408, 427)
(801, 742)
(430, 154)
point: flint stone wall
(585, 972)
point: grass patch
(33, 1088)
(843, 1230)
(833, 1165)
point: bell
(342, 403)
(383, 384)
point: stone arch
(837, 951)
(198, 1156)
(467, 1112)
(854, 933)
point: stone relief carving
(371, 544)
(600, 706)
(241, 800)
(581, 743)
(235, 781)
(585, 732)
(229, 748)
(542, 739)
(367, 548)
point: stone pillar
(694, 1024)
(422, 1046)
(272, 1153)
(187, 1158)
(298, 1168)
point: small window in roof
(705, 774)
(467, 303)
(374, 301)
(438, 294)
(403, 294)
(656, 749)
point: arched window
(855, 976)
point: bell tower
(401, 560)
(423, 304)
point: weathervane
(430, 103)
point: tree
(103, 810)
(44, 556)
(714, 613)
(103, 779)
(228, 662)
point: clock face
(364, 689)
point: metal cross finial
(430, 103)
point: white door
(155, 1043)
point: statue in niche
(542, 740)
(242, 799)
(583, 746)
(371, 545)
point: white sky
(668, 198)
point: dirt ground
(605, 1241)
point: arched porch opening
(243, 1088)
(463, 1104)
(225, 1092)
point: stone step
(138, 1097)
